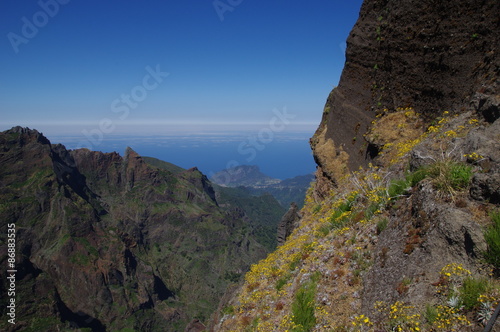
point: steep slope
(399, 230)
(389, 249)
(108, 242)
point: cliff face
(108, 242)
(392, 235)
(433, 56)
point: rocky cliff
(106, 242)
(400, 229)
(433, 56)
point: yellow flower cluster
(488, 298)
(400, 317)
(287, 324)
(474, 156)
(454, 271)
(362, 321)
(449, 319)
(451, 133)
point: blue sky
(68, 66)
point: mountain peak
(34, 134)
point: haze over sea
(279, 154)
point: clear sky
(132, 66)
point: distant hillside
(261, 209)
(285, 191)
(288, 190)
(243, 175)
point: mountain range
(106, 242)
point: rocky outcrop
(484, 142)
(288, 223)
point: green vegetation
(79, 259)
(449, 176)
(86, 244)
(470, 291)
(446, 176)
(303, 307)
(430, 314)
(280, 283)
(382, 225)
(492, 237)
(127, 329)
(228, 310)
(263, 210)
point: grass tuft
(492, 237)
(470, 291)
(303, 308)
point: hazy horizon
(278, 154)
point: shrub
(228, 310)
(492, 237)
(399, 187)
(281, 282)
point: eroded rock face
(434, 56)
